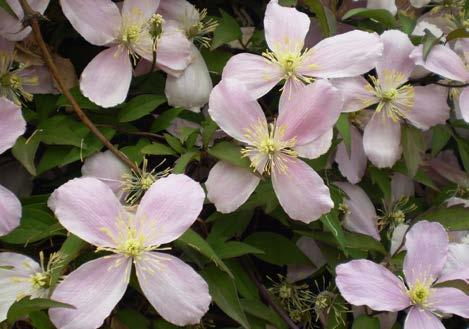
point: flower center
(290, 62)
(10, 81)
(156, 26)
(398, 216)
(40, 280)
(267, 148)
(419, 293)
(132, 247)
(131, 34)
(198, 31)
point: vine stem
(32, 18)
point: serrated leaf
(380, 15)
(164, 120)
(24, 151)
(413, 146)
(454, 218)
(139, 106)
(232, 249)
(230, 153)
(366, 322)
(227, 30)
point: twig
(267, 297)
(32, 19)
(451, 86)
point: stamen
(419, 293)
(290, 62)
(12, 83)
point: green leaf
(407, 23)
(457, 34)
(225, 295)
(453, 218)
(40, 320)
(343, 126)
(380, 178)
(428, 41)
(233, 249)
(84, 102)
(230, 153)
(69, 250)
(164, 120)
(463, 147)
(246, 287)
(227, 30)
(215, 59)
(209, 127)
(413, 146)
(277, 249)
(195, 241)
(158, 149)
(366, 322)
(260, 310)
(139, 106)
(227, 226)
(332, 224)
(132, 319)
(26, 306)
(380, 15)
(440, 137)
(184, 160)
(324, 16)
(174, 143)
(363, 242)
(25, 150)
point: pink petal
(242, 183)
(397, 48)
(362, 282)
(179, 10)
(174, 289)
(173, 54)
(356, 93)
(309, 247)
(6, 46)
(106, 167)
(427, 248)
(258, 73)
(446, 165)
(290, 89)
(430, 107)
(301, 191)
(353, 165)
(12, 124)
(464, 104)
(418, 318)
(344, 55)
(45, 83)
(89, 209)
(361, 217)
(169, 208)
(10, 211)
(139, 11)
(98, 21)
(382, 140)
(389, 5)
(450, 301)
(106, 79)
(285, 28)
(443, 61)
(317, 147)
(94, 289)
(457, 263)
(234, 109)
(311, 113)
(11, 28)
(398, 236)
(39, 5)
(401, 186)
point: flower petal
(175, 290)
(418, 318)
(356, 93)
(285, 28)
(382, 140)
(45, 83)
(106, 167)
(353, 165)
(241, 181)
(430, 107)
(173, 54)
(450, 301)
(398, 236)
(98, 21)
(11, 28)
(106, 79)
(464, 104)
(289, 91)
(89, 209)
(258, 73)
(301, 191)
(427, 249)
(309, 247)
(362, 282)
(389, 5)
(311, 113)
(397, 48)
(457, 263)
(139, 11)
(94, 289)
(234, 109)
(344, 55)
(401, 186)
(317, 147)
(12, 124)
(179, 10)
(361, 217)
(169, 208)
(443, 61)
(10, 211)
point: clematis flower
(396, 100)
(359, 212)
(20, 276)
(362, 282)
(352, 166)
(303, 128)
(12, 126)
(131, 33)
(344, 55)
(12, 28)
(447, 63)
(19, 81)
(89, 209)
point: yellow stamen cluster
(40, 280)
(290, 62)
(419, 293)
(396, 99)
(156, 26)
(198, 31)
(267, 149)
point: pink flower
(396, 100)
(344, 55)
(89, 209)
(447, 63)
(132, 31)
(12, 28)
(303, 128)
(352, 166)
(362, 282)
(12, 126)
